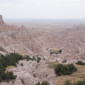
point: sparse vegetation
(52, 64)
(68, 82)
(34, 75)
(27, 58)
(43, 83)
(80, 63)
(12, 59)
(2, 49)
(21, 64)
(61, 69)
(6, 75)
(55, 51)
(38, 59)
(64, 61)
(60, 51)
(33, 58)
(79, 75)
(77, 83)
(37, 83)
(8, 60)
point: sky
(42, 9)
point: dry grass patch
(80, 73)
(10, 67)
(76, 76)
(52, 64)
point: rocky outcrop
(37, 41)
(1, 20)
(11, 38)
(30, 73)
(40, 37)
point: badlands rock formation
(10, 38)
(1, 20)
(39, 39)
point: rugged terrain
(38, 40)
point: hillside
(54, 43)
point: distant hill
(37, 38)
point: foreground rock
(30, 73)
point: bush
(72, 68)
(33, 58)
(8, 60)
(38, 59)
(21, 64)
(80, 63)
(68, 83)
(6, 75)
(55, 51)
(64, 69)
(9, 75)
(60, 51)
(45, 83)
(64, 61)
(37, 83)
(11, 59)
(79, 83)
(27, 58)
(34, 75)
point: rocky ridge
(38, 41)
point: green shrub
(80, 63)
(8, 60)
(33, 58)
(37, 83)
(64, 61)
(64, 69)
(27, 58)
(38, 59)
(72, 68)
(34, 75)
(68, 83)
(21, 64)
(79, 83)
(6, 75)
(55, 51)
(45, 83)
(9, 75)
(60, 51)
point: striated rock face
(25, 74)
(36, 40)
(1, 20)
(39, 38)
(11, 38)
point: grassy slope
(78, 75)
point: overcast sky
(43, 9)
